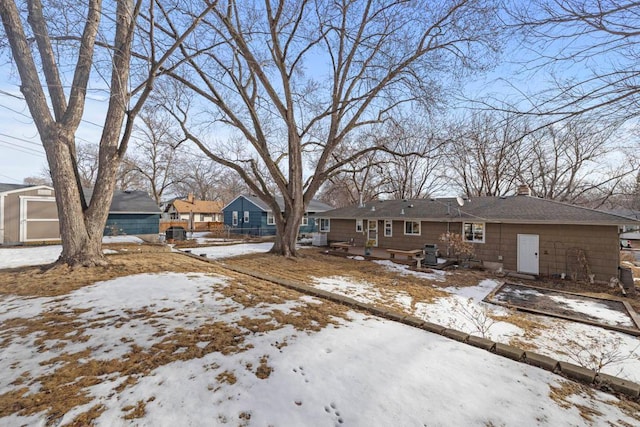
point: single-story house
(28, 213)
(198, 214)
(517, 233)
(248, 214)
(133, 213)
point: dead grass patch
(313, 264)
(136, 411)
(227, 377)
(264, 370)
(629, 407)
(565, 389)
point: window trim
(359, 226)
(324, 225)
(305, 220)
(234, 218)
(271, 220)
(388, 222)
(245, 216)
(484, 232)
(413, 222)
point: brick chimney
(190, 198)
(524, 190)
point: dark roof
(513, 209)
(11, 187)
(629, 213)
(122, 202)
(314, 205)
(133, 202)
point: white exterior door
(528, 249)
(372, 231)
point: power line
(29, 117)
(12, 179)
(25, 150)
(21, 139)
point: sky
(360, 371)
(21, 153)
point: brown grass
(313, 264)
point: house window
(270, 219)
(359, 226)
(473, 232)
(234, 218)
(412, 228)
(246, 216)
(388, 228)
(305, 220)
(325, 224)
(201, 217)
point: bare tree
(596, 42)
(359, 181)
(43, 49)
(298, 80)
(156, 153)
(571, 162)
(486, 153)
(421, 171)
(205, 179)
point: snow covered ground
(220, 251)
(19, 256)
(364, 371)
(464, 310)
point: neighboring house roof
(314, 205)
(513, 209)
(629, 213)
(197, 206)
(122, 202)
(133, 202)
(7, 188)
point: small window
(412, 228)
(305, 220)
(474, 232)
(325, 224)
(359, 226)
(388, 228)
(234, 218)
(246, 216)
(201, 217)
(270, 219)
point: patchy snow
(464, 310)
(21, 256)
(224, 251)
(122, 239)
(358, 290)
(406, 271)
(594, 308)
(366, 371)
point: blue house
(133, 213)
(250, 215)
